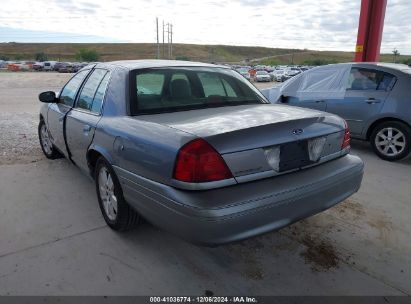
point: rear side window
(69, 92)
(387, 82)
(99, 97)
(370, 80)
(89, 91)
(179, 89)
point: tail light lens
(199, 162)
(346, 141)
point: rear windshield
(180, 89)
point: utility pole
(168, 28)
(171, 41)
(168, 41)
(164, 55)
(158, 42)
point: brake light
(199, 162)
(346, 140)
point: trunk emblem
(298, 131)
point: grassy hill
(207, 53)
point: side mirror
(48, 97)
(284, 99)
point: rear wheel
(391, 140)
(45, 142)
(116, 212)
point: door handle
(318, 101)
(372, 101)
(86, 128)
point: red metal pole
(370, 30)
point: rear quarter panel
(143, 148)
(398, 103)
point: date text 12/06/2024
(203, 299)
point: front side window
(179, 89)
(88, 92)
(69, 92)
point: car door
(82, 120)
(366, 93)
(57, 111)
(316, 104)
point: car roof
(158, 63)
(395, 66)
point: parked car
(292, 71)
(262, 76)
(59, 65)
(49, 65)
(374, 98)
(67, 67)
(196, 149)
(38, 66)
(281, 75)
(244, 73)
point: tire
(117, 213)
(391, 140)
(49, 150)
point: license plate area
(294, 155)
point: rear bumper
(241, 211)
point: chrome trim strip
(203, 186)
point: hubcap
(45, 140)
(108, 198)
(390, 141)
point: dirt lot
(54, 240)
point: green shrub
(87, 55)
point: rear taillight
(199, 162)
(346, 141)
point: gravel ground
(19, 116)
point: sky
(302, 24)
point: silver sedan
(196, 149)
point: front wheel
(116, 212)
(45, 142)
(391, 140)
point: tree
(18, 56)
(41, 56)
(5, 58)
(395, 54)
(407, 61)
(87, 55)
(184, 58)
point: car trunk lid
(244, 134)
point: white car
(262, 76)
(49, 65)
(280, 75)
